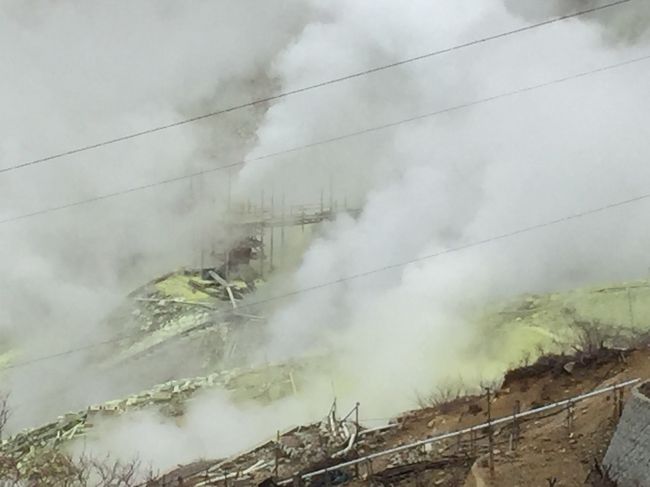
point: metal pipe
(471, 429)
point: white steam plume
(425, 186)
(461, 177)
(80, 72)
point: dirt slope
(545, 448)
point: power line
(361, 275)
(315, 86)
(339, 138)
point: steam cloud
(80, 72)
(452, 180)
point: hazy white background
(81, 72)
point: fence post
(472, 442)
(618, 402)
(490, 431)
(418, 480)
(277, 454)
(570, 417)
(514, 437)
(369, 469)
(356, 422)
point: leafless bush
(55, 468)
(599, 476)
(51, 467)
(45, 466)
(441, 397)
(115, 473)
(591, 336)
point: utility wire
(361, 275)
(315, 86)
(350, 135)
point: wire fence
(566, 403)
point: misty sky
(78, 72)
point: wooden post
(282, 250)
(229, 190)
(262, 250)
(369, 471)
(418, 481)
(272, 231)
(621, 400)
(356, 422)
(618, 402)
(515, 425)
(331, 212)
(631, 309)
(262, 232)
(490, 431)
(472, 442)
(227, 276)
(570, 417)
(277, 454)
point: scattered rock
(568, 367)
(474, 409)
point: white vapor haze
(76, 73)
(81, 72)
(458, 178)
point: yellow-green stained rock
(178, 286)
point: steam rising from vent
(78, 73)
(83, 72)
(456, 179)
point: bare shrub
(55, 468)
(441, 397)
(48, 466)
(592, 336)
(599, 476)
(115, 473)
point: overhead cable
(367, 273)
(369, 130)
(307, 88)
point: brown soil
(547, 450)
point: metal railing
(453, 434)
